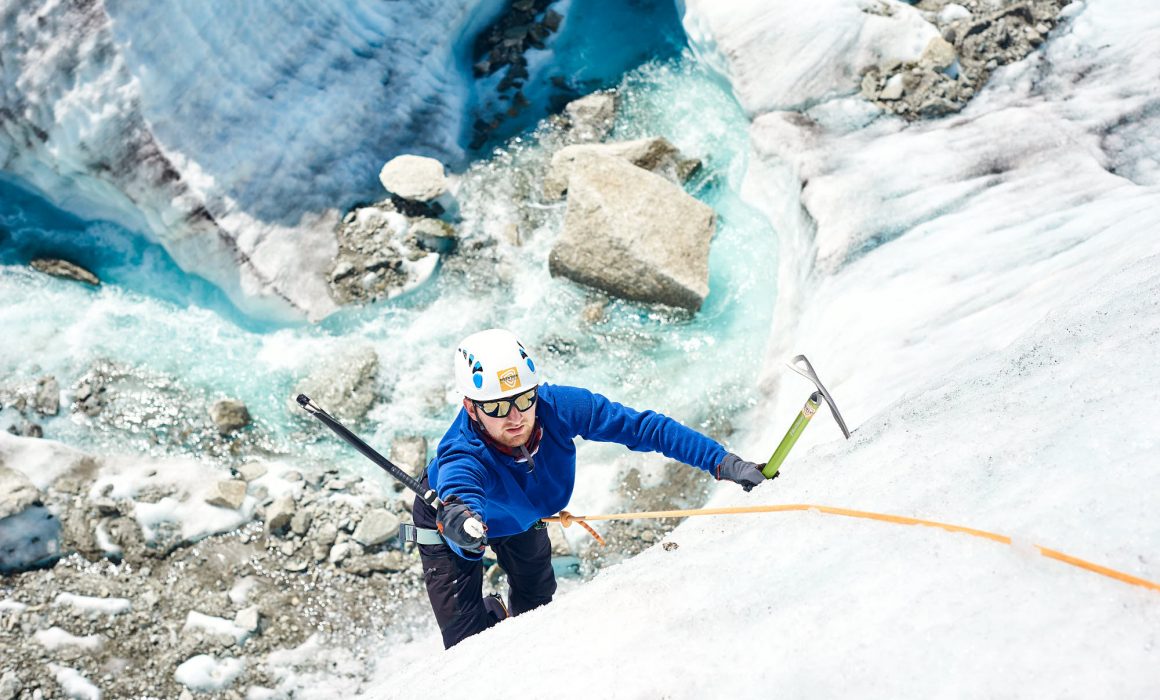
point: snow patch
(205, 673)
(55, 638)
(94, 606)
(74, 684)
(196, 621)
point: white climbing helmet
(493, 364)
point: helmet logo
(508, 378)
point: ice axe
(367, 451)
(803, 418)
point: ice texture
(235, 135)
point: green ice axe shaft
(791, 436)
(803, 367)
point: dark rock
(552, 20)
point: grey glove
(737, 470)
(461, 525)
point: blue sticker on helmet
(478, 379)
(531, 365)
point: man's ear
(470, 408)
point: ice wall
(235, 135)
(898, 241)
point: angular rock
(89, 398)
(251, 471)
(326, 534)
(300, 522)
(634, 235)
(229, 415)
(409, 452)
(385, 562)
(656, 155)
(17, 493)
(434, 235)
(228, 494)
(893, 89)
(279, 513)
(552, 20)
(47, 396)
(342, 385)
(64, 269)
(939, 54)
(591, 116)
(376, 527)
(415, 178)
(342, 551)
(249, 619)
(10, 686)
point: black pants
(455, 584)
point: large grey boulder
(655, 154)
(376, 527)
(343, 385)
(634, 234)
(415, 178)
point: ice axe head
(803, 367)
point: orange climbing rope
(565, 518)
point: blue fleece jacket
(510, 499)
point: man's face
(512, 430)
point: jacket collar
(520, 453)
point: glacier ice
(235, 135)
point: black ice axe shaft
(367, 451)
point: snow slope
(982, 295)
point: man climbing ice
(509, 460)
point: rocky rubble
(977, 37)
(22, 407)
(678, 486)
(136, 407)
(391, 246)
(318, 560)
(379, 257)
(307, 568)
